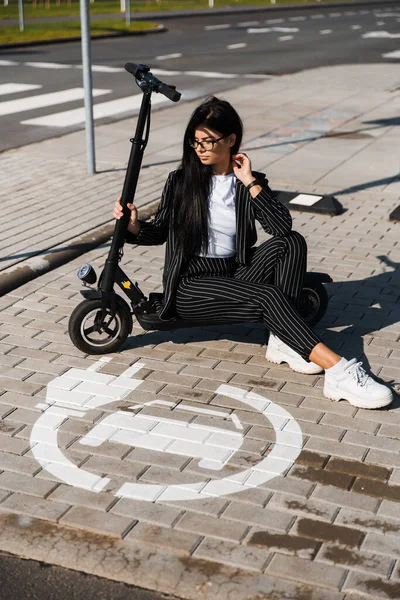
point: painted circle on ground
(77, 391)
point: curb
(198, 13)
(21, 273)
(17, 275)
(159, 29)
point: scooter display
(101, 323)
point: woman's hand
(134, 225)
(244, 171)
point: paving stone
(389, 509)
(372, 586)
(357, 560)
(31, 506)
(282, 543)
(358, 469)
(79, 497)
(265, 517)
(179, 542)
(94, 520)
(19, 464)
(18, 482)
(331, 478)
(327, 532)
(306, 571)
(352, 424)
(212, 527)
(361, 521)
(242, 557)
(312, 508)
(148, 512)
(343, 498)
(378, 489)
(335, 448)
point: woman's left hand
(243, 173)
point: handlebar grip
(131, 68)
(170, 92)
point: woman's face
(217, 153)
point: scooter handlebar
(142, 73)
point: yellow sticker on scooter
(126, 284)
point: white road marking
(380, 23)
(318, 16)
(274, 29)
(248, 23)
(212, 27)
(272, 21)
(104, 109)
(350, 13)
(236, 46)
(16, 88)
(297, 18)
(104, 69)
(47, 65)
(211, 74)
(335, 14)
(285, 38)
(385, 15)
(381, 34)
(394, 54)
(165, 72)
(356, 27)
(166, 56)
(42, 100)
(364, 12)
(325, 31)
(8, 63)
(214, 446)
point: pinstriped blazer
(274, 218)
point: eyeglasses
(207, 145)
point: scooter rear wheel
(92, 334)
(313, 302)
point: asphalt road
(31, 580)
(41, 86)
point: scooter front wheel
(93, 332)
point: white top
(222, 217)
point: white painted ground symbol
(78, 391)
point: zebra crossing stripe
(48, 65)
(104, 109)
(16, 88)
(394, 54)
(11, 107)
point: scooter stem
(128, 194)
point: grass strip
(105, 6)
(48, 31)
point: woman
(212, 269)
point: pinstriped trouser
(267, 290)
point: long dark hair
(193, 182)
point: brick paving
(328, 527)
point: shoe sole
(355, 402)
(296, 369)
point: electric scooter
(101, 323)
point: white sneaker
(356, 386)
(279, 352)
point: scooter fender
(91, 294)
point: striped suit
(259, 284)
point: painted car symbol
(213, 445)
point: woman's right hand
(134, 225)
